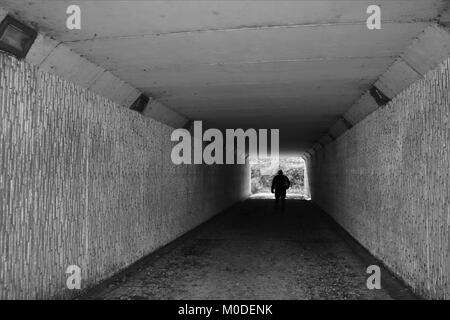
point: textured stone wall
(387, 182)
(86, 182)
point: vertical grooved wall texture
(387, 182)
(86, 182)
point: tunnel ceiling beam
(162, 113)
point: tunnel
(95, 96)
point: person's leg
(283, 198)
(277, 198)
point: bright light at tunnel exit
(264, 169)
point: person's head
(280, 172)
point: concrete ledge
(338, 128)
(63, 62)
(115, 89)
(128, 101)
(40, 50)
(362, 108)
(429, 49)
(326, 139)
(53, 57)
(398, 77)
(160, 112)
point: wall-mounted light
(380, 98)
(140, 103)
(15, 37)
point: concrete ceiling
(292, 65)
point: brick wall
(387, 182)
(86, 182)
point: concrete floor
(252, 251)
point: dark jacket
(280, 183)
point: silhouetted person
(280, 184)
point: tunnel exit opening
(264, 170)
